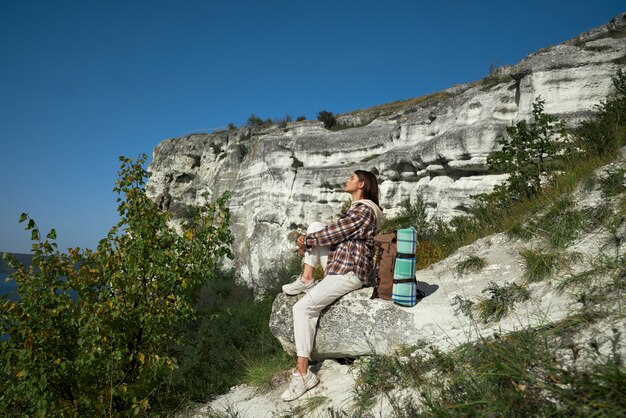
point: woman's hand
(301, 245)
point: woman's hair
(370, 188)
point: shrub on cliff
(528, 153)
(94, 332)
(282, 122)
(605, 132)
(327, 118)
(254, 120)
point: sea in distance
(7, 287)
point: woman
(345, 251)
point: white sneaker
(299, 385)
(297, 287)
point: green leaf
(23, 217)
(34, 235)
(52, 234)
(31, 224)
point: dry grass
(389, 108)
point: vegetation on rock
(327, 118)
(99, 332)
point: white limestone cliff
(284, 177)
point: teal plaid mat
(407, 241)
(404, 268)
(404, 294)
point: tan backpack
(385, 251)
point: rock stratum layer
(283, 177)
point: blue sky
(83, 82)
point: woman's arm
(344, 228)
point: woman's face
(352, 184)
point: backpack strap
(378, 249)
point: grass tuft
(539, 264)
(472, 264)
(614, 183)
(463, 306)
(389, 108)
(501, 301)
(519, 375)
(314, 402)
(521, 231)
(260, 372)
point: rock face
(283, 177)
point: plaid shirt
(351, 240)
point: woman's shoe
(299, 385)
(297, 287)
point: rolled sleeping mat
(404, 268)
(404, 292)
(407, 241)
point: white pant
(316, 255)
(307, 310)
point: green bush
(254, 120)
(327, 118)
(282, 122)
(94, 332)
(605, 132)
(229, 342)
(411, 215)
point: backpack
(394, 267)
(385, 251)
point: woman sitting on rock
(345, 250)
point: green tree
(95, 332)
(327, 118)
(528, 152)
